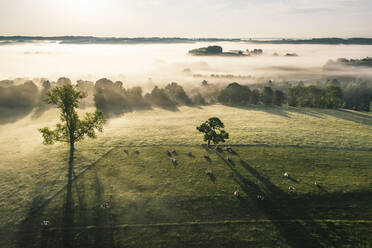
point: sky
(187, 18)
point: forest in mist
(19, 98)
(124, 78)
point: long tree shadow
(279, 205)
(350, 116)
(11, 115)
(306, 111)
(68, 217)
(279, 111)
(37, 232)
(103, 233)
(69, 222)
(26, 236)
(44, 227)
(100, 233)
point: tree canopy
(313, 96)
(235, 94)
(72, 129)
(213, 130)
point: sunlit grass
(145, 192)
(31, 173)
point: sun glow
(84, 10)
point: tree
(357, 96)
(267, 95)
(63, 81)
(255, 97)
(295, 95)
(334, 96)
(198, 99)
(72, 129)
(278, 98)
(235, 94)
(177, 94)
(17, 101)
(205, 83)
(213, 131)
(214, 49)
(315, 97)
(160, 98)
(110, 98)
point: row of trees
(18, 100)
(358, 96)
(113, 99)
(316, 97)
(237, 95)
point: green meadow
(144, 200)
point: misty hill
(317, 41)
(4, 40)
(366, 62)
(104, 40)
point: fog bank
(160, 64)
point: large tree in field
(213, 131)
(71, 129)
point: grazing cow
(208, 172)
(168, 153)
(236, 194)
(229, 149)
(105, 205)
(189, 154)
(136, 151)
(45, 223)
(126, 151)
(286, 174)
(174, 161)
(260, 197)
(292, 189)
(174, 152)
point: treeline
(302, 96)
(315, 97)
(365, 62)
(358, 96)
(113, 99)
(238, 95)
(18, 99)
(329, 94)
(21, 98)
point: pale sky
(188, 18)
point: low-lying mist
(124, 78)
(160, 64)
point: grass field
(151, 203)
